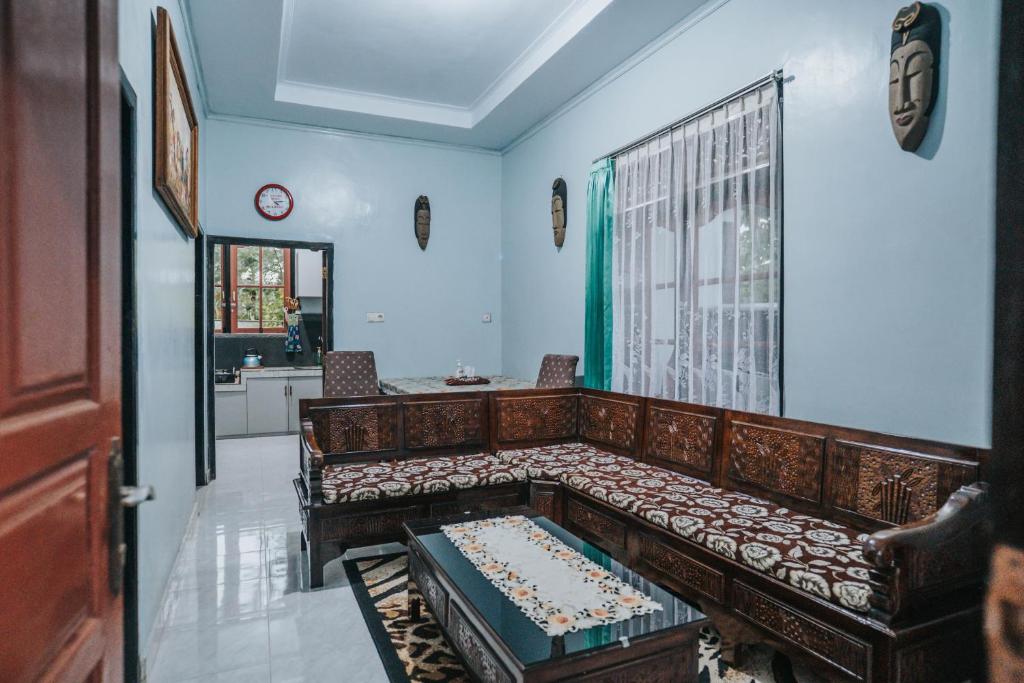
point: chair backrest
(557, 371)
(350, 373)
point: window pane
(218, 305)
(248, 266)
(218, 264)
(273, 308)
(273, 266)
(248, 308)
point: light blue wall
(358, 192)
(888, 255)
(165, 288)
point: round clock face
(274, 202)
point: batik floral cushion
(550, 462)
(395, 478)
(814, 555)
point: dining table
(433, 385)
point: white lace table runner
(555, 586)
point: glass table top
(528, 642)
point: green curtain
(597, 347)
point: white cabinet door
(301, 387)
(267, 405)
(308, 272)
(230, 412)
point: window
(696, 276)
(258, 279)
(218, 288)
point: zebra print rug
(414, 652)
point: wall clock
(274, 202)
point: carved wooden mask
(421, 225)
(558, 211)
(913, 60)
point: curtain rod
(773, 76)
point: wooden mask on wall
(913, 65)
(559, 217)
(421, 220)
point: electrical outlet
(486, 318)
(374, 317)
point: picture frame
(176, 142)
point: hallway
(234, 609)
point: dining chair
(350, 373)
(557, 371)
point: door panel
(301, 387)
(60, 354)
(266, 404)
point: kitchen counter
(286, 371)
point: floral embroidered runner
(555, 586)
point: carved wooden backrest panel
(681, 438)
(777, 460)
(894, 486)
(536, 418)
(435, 424)
(610, 421)
(346, 429)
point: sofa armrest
(914, 564)
(311, 460)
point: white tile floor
(236, 607)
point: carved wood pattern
(370, 525)
(356, 428)
(593, 521)
(665, 668)
(785, 462)
(543, 503)
(776, 617)
(680, 437)
(475, 653)
(891, 486)
(536, 418)
(609, 421)
(429, 588)
(689, 572)
(434, 424)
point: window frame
(231, 286)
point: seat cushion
(396, 478)
(550, 462)
(814, 555)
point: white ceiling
(475, 72)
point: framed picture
(176, 157)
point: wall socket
(486, 318)
(374, 317)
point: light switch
(374, 317)
(486, 318)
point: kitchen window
(250, 284)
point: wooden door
(60, 384)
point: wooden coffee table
(498, 643)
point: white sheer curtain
(696, 275)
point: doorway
(272, 299)
(129, 376)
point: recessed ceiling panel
(441, 51)
(470, 72)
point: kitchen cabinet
(231, 418)
(308, 273)
(267, 404)
(265, 401)
(301, 387)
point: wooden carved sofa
(865, 554)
